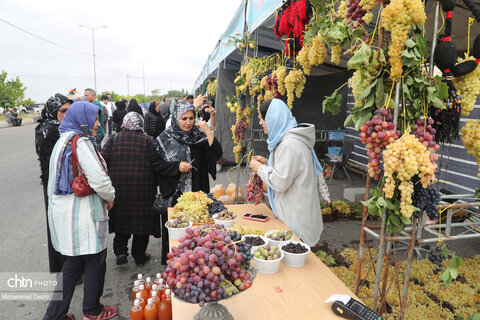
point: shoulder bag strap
(75, 163)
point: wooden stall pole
(367, 191)
(408, 268)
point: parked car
(36, 107)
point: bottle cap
(167, 292)
(139, 277)
(139, 295)
(149, 301)
(154, 287)
(164, 296)
(136, 283)
(141, 287)
(148, 279)
(159, 275)
(136, 302)
(161, 281)
(154, 293)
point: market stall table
(291, 293)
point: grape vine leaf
(410, 43)
(361, 57)
(366, 92)
(332, 102)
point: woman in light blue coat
(292, 172)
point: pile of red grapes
(378, 133)
(255, 189)
(425, 133)
(206, 259)
(240, 128)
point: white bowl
(274, 242)
(226, 223)
(268, 266)
(256, 235)
(295, 259)
(177, 233)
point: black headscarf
(152, 107)
(46, 134)
(165, 110)
(122, 104)
(174, 143)
(133, 106)
(50, 109)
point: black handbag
(160, 204)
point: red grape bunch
(425, 133)
(206, 263)
(378, 133)
(356, 13)
(240, 128)
(255, 189)
(272, 85)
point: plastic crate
(336, 135)
(334, 150)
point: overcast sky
(174, 37)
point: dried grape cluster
(471, 139)
(468, 87)
(398, 18)
(426, 199)
(255, 189)
(294, 248)
(254, 241)
(377, 133)
(206, 262)
(402, 160)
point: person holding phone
(185, 155)
(292, 172)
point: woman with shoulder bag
(80, 193)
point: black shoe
(145, 260)
(122, 259)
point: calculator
(349, 308)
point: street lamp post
(143, 72)
(93, 46)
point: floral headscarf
(133, 122)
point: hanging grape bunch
(402, 160)
(272, 85)
(398, 18)
(255, 189)
(426, 199)
(294, 83)
(425, 133)
(377, 133)
(208, 265)
(437, 257)
(240, 128)
(471, 139)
